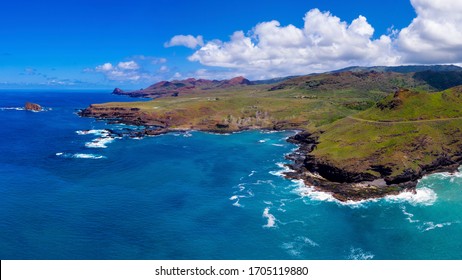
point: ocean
(68, 190)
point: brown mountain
(181, 87)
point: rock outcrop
(32, 107)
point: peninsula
(365, 132)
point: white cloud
(104, 67)
(164, 69)
(177, 75)
(324, 43)
(137, 69)
(128, 65)
(188, 41)
(124, 71)
(435, 35)
(150, 59)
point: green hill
(402, 138)
(360, 141)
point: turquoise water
(70, 193)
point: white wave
(359, 254)
(271, 219)
(236, 199)
(252, 173)
(280, 173)
(310, 192)
(408, 215)
(237, 204)
(422, 196)
(24, 109)
(80, 156)
(292, 249)
(12, 109)
(307, 241)
(296, 247)
(98, 132)
(241, 187)
(88, 156)
(278, 145)
(100, 142)
(427, 226)
(264, 140)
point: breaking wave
(80, 156)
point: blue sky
(132, 44)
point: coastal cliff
(366, 142)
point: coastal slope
(385, 149)
(365, 134)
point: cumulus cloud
(124, 71)
(128, 65)
(435, 35)
(188, 41)
(104, 67)
(323, 43)
(136, 69)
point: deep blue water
(64, 195)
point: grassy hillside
(303, 102)
(405, 131)
(360, 126)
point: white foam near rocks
(422, 196)
(12, 109)
(100, 142)
(99, 132)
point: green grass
(402, 131)
(424, 127)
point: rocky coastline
(349, 186)
(343, 185)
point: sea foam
(99, 132)
(427, 226)
(271, 222)
(12, 109)
(359, 254)
(422, 196)
(79, 156)
(100, 142)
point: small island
(29, 106)
(364, 132)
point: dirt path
(398, 122)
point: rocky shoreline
(342, 184)
(348, 186)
